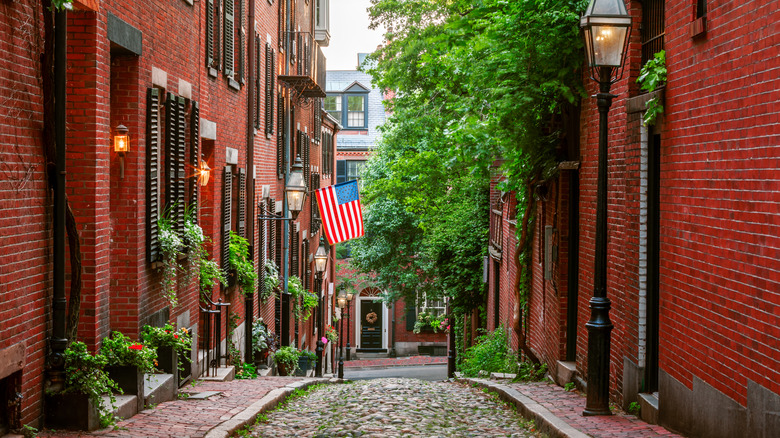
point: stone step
(224, 374)
(126, 405)
(159, 388)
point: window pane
(356, 115)
(355, 103)
(332, 104)
(356, 119)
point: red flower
(175, 336)
(138, 347)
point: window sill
(698, 27)
(213, 72)
(233, 84)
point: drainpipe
(249, 302)
(58, 342)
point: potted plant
(80, 405)
(173, 346)
(126, 363)
(263, 343)
(286, 360)
(303, 301)
(307, 360)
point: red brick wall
(720, 196)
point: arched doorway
(371, 322)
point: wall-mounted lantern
(121, 146)
(204, 173)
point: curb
(545, 420)
(268, 402)
(368, 367)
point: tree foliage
(477, 84)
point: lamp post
(342, 303)
(295, 191)
(606, 26)
(349, 304)
(320, 262)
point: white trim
(642, 262)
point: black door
(371, 325)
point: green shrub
(491, 354)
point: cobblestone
(394, 408)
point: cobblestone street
(395, 408)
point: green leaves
(651, 77)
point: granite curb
(268, 402)
(545, 420)
(368, 367)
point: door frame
(385, 317)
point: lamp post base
(599, 339)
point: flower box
(71, 411)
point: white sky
(349, 34)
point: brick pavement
(396, 361)
(568, 406)
(190, 418)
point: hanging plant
(241, 264)
(193, 241)
(303, 301)
(651, 77)
(170, 247)
(270, 281)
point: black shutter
(317, 120)
(305, 152)
(227, 206)
(271, 209)
(280, 136)
(242, 202)
(240, 11)
(258, 82)
(229, 36)
(209, 33)
(262, 249)
(411, 317)
(171, 132)
(269, 90)
(152, 174)
(278, 240)
(180, 159)
(305, 264)
(294, 252)
(341, 171)
(194, 159)
(324, 153)
(315, 211)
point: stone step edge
(246, 417)
(545, 420)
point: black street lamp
(349, 320)
(606, 26)
(320, 263)
(342, 303)
(295, 191)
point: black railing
(211, 316)
(306, 61)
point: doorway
(653, 244)
(371, 323)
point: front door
(371, 324)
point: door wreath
(371, 317)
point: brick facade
(116, 52)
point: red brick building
(693, 217)
(229, 84)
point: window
(356, 111)
(225, 39)
(701, 8)
(332, 104)
(347, 170)
(652, 28)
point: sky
(349, 34)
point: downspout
(58, 341)
(249, 302)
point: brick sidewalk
(396, 361)
(568, 407)
(190, 418)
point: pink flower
(138, 347)
(324, 340)
(448, 327)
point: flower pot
(304, 365)
(130, 380)
(71, 411)
(261, 358)
(168, 362)
(284, 369)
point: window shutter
(180, 160)
(258, 82)
(306, 146)
(305, 265)
(278, 240)
(242, 202)
(341, 171)
(194, 159)
(411, 317)
(227, 194)
(324, 152)
(270, 210)
(229, 36)
(209, 33)
(171, 131)
(294, 251)
(280, 135)
(315, 212)
(241, 37)
(269, 90)
(152, 174)
(317, 120)
(262, 249)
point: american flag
(340, 211)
